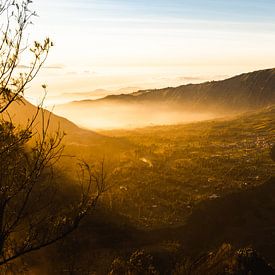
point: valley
(167, 183)
(168, 106)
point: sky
(113, 44)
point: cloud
(202, 78)
(72, 73)
(54, 66)
(23, 67)
(49, 67)
(190, 78)
(182, 78)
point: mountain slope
(22, 112)
(249, 91)
(193, 102)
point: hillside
(193, 102)
(250, 90)
(246, 91)
(242, 218)
(22, 112)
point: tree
(16, 16)
(272, 153)
(33, 214)
(226, 260)
(138, 263)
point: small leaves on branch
(31, 216)
(15, 17)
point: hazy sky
(152, 43)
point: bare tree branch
(32, 212)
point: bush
(139, 263)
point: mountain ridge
(187, 103)
(248, 90)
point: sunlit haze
(149, 44)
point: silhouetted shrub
(247, 261)
(272, 152)
(139, 263)
(226, 261)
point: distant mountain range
(93, 95)
(245, 92)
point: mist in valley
(128, 116)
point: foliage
(15, 17)
(30, 215)
(138, 263)
(272, 153)
(226, 261)
(33, 210)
